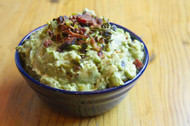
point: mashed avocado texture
(81, 53)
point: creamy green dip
(104, 56)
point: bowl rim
(20, 68)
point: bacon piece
(86, 19)
(72, 34)
(63, 28)
(50, 33)
(97, 48)
(73, 18)
(47, 43)
(82, 30)
(138, 64)
(76, 30)
(102, 40)
(71, 27)
(67, 41)
(66, 30)
(58, 38)
(80, 42)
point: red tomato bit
(138, 64)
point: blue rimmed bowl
(88, 103)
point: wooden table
(161, 96)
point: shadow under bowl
(87, 103)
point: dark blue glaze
(87, 103)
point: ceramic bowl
(87, 103)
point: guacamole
(82, 52)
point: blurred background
(161, 96)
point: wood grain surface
(161, 96)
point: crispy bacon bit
(67, 31)
(73, 18)
(102, 40)
(82, 30)
(71, 27)
(80, 42)
(86, 19)
(97, 48)
(70, 40)
(76, 31)
(138, 64)
(50, 33)
(72, 34)
(47, 43)
(58, 38)
(67, 41)
(63, 28)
